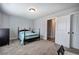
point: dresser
(4, 36)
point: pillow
(28, 32)
(33, 32)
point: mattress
(28, 35)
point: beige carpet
(41, 47)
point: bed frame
(24, 34)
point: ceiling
(42, 9)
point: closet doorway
(51, 29)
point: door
(63, 31)
(75, 31)
(51, 29)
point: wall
(16, 22)
(42, 22)
(0, 20)
(13, 22)
(42, 25)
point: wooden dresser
(4, 36)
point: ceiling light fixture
(32, 10)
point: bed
(25, 34)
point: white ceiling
(43, 9)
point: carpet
(40, 47)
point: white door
(75, 30)
(63, 31)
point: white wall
(13, 22)
(16, 22)
(5, 21)
(0, 20)
(41, 24)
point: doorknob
(68, 32)
(72, 32)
